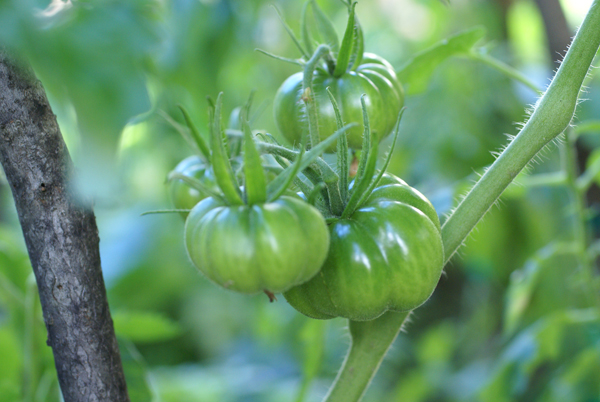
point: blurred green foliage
(510, 320)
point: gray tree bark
(62, 240)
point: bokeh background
(509, 320)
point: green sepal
(255, 186)
(358, 49)
(195, 184)
(297, 62)
(342, 151)
(291, 33)
(366, 145)
(325, 28)
(314, 193)
(361, 185)
(305, 33)
(386, 163)
(224, 174)
(198, 140)
(343, 58)
(303, 161)
(308, 94)
(366, 167)
(287, 176)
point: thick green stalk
(551, 116)
(370, 342)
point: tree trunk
(62, 240)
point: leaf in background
(144, 327)
(312, 336)
(537, 346)
(11, 367)
(592, 171)
(588, 126)
(415, 74)
(578, 380)
(136, 373)
(524, 282)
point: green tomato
(182, 195)
(375, 77)
(387, 256)
(252, 248)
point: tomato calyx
(339, 59)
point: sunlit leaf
(415, 74)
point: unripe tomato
(375, 77)
(182, 195)
(251, 248)
(388, 255)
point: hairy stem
(551, 116)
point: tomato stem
(551, 116)
(370, 341)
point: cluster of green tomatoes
(264, 217)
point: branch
(62, 240)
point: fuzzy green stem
(370, 341)
(551, 116)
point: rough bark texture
(62, 240)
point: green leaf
(415, 74)
(144, 327)
(343, 59)
(524, 282)
(224, 174)
(589, 126)
(592, 171)
(325, 28)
